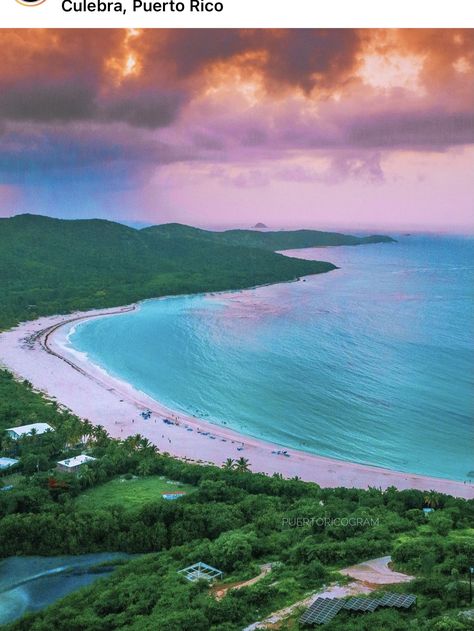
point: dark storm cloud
(143, 108)
(431, 130)
(300, 57)
(310, 58)
(428, 129)
(70, 75)
(188, 51)
(97, 103)
(38, 155)
(63, 75)
(45, 101)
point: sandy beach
(38, 351)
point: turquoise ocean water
(372, 363)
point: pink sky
(338, 128)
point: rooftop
(23, 430)
(5, 463)
(77, 461)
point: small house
(27, 430)
(6, 463)
(72, 465)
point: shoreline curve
(37, 351)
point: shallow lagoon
(28, 584)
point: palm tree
(133, 442)
(74, 432)
(88, 475)
(147, 445)
(100, 435)
(8, 444)
(30, 439)
(228, 464)
(88, 426)
(432, 499)
(87, 432)
(242, 465)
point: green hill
(281, 240)
(56, 266)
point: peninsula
(52, 266)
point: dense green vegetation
(268, 240)
(234, 521)
(56, 266)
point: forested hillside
(268, 240)
(55, 266)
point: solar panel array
(361, 604)
(397, 600)
(322, 610)
(325, 609)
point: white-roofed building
(25, 430)
(6, 463)
(71, 465)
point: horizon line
(235, 225)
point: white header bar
(236, 13)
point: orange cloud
(321, 63)
(111, 106)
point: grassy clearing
(129, 493)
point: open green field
(129, 493)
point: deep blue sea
(372, 363)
